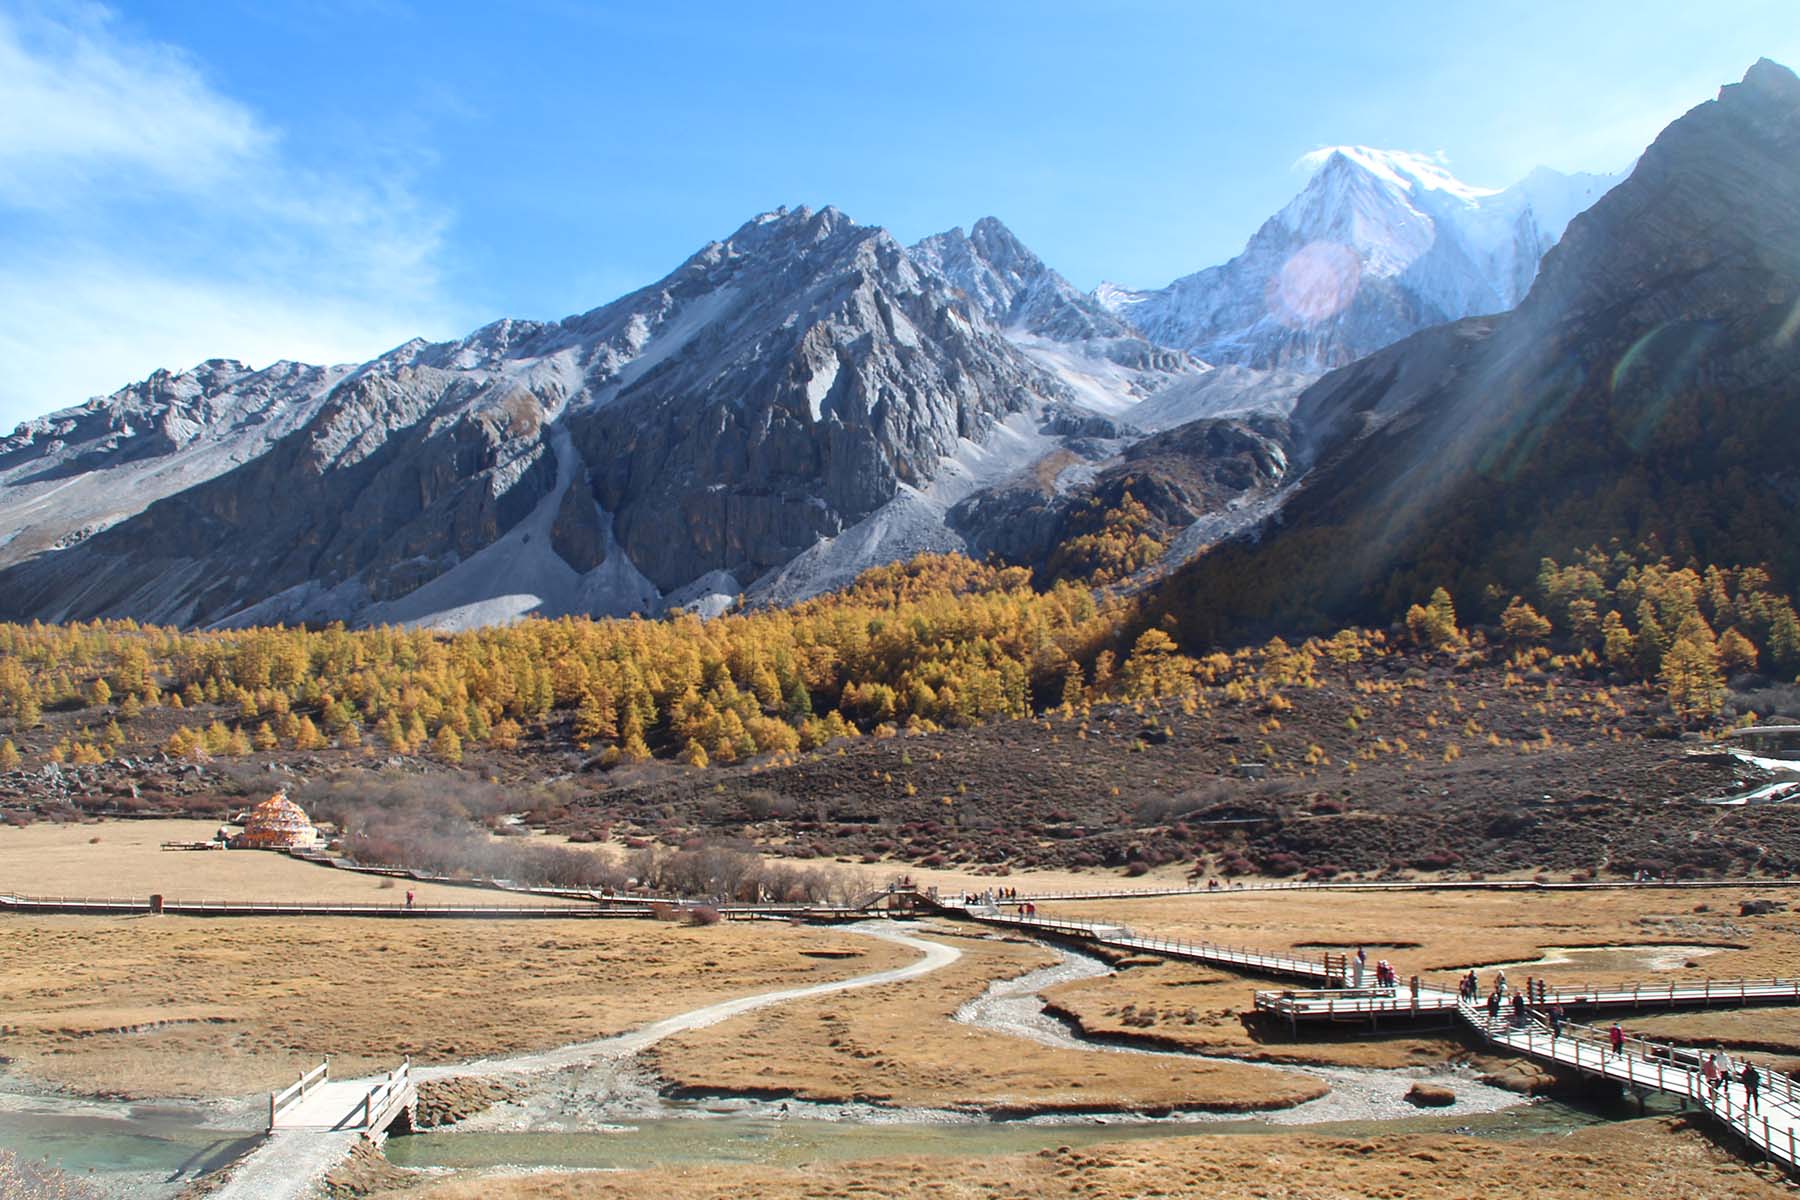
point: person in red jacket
(1617, 1037)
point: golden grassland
(170, 1006)
(899, 1045)
(1647, 1160)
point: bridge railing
(1352, 1002)
(1674, 992)
(294, 1092)
(299, 906)
(1774, 1128)
(382, 1100)
(1122, 937)
(1395, 885)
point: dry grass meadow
(124, 860)
(169, 1006)
(899, 1045)
(184, 1007)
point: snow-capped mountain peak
(1378, 245)
(1402, 169)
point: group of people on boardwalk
(1385, 975)
(1718, 1076)
(991, 897)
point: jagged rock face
(1644, 389)
(1011, 286)
(1378, 246)
(394, 476)
(68, 475)
(1041, 310)
(1178, 476)
(808, 399)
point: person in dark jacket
(1752, 1080)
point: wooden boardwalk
(1395, 885)
(1772, 1127)
(1335, 1004)
(879, 904)
(116, 906)
(1118, 937)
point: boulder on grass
(1429, 1095)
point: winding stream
(1357, 1093)
(593, 1105)
(620, 1121)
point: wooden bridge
(1772, 1127)
(321, 1104)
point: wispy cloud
(149, 220)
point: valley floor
(171, 1007)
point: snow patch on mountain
(1227, 391)
(1099, 383)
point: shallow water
(1014, 1006)
(128, 1150)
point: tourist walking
(409, 898)
(1709, 1071)
(1518, 1016)
(1357, 966)
(1617, 1037)
(1494, 1006)
(1556, 1021)
(1752, 1080)
(1500, 983)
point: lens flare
(1659, 367)
(1316, 283)
(1789, 327)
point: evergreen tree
(446, 745)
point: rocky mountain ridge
(781, 387)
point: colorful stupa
(276, 824)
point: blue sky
(321, 179)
